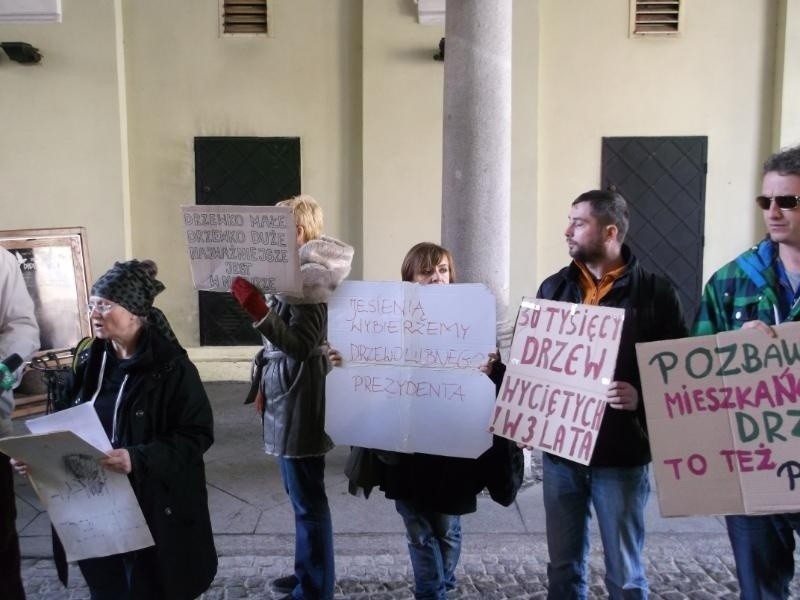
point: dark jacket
(450, 485)
(165, 423)
(652, 312)
(293, 362)
(293, 379)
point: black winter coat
(652, 312)
(293, 364)
(450, 485)
(165, 423)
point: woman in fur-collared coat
(291, 394)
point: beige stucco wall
(524, 152)
(787, 76)
(402, 135)
(186, 81)
(715, 80)
(60, 152)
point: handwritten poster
(723, 414)
(436, 411)
(255, 242)
(94, 511)
(561, 363)
(410, 380)
(401, 323)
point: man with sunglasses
(758, 289)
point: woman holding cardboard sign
(431, 491)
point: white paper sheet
(94, 510)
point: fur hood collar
(324, 263)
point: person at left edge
(19, 334)
(291, 393)
(151, 402)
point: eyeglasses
(102, 307)
(783, 202)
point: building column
(476, 178)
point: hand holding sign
(118, 460)
(250, 298)
(760, 326)
(622, 396)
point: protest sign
(724, 421)
(406, 409)
(410, 380)
(401, 323)
(94, 511)
(561, 363)
(255, 242)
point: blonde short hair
(307, 213)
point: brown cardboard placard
(723, 414)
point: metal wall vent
(655, 17)
(243, 17)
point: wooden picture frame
(55, 266)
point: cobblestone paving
(692, 567)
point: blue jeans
(618, 496)
(304, 481)
(434, 545)
(763, 547)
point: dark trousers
(10, 578)
(129, 576)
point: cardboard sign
(723, 414)
(410, 380)
(561, 363)
(255, 242)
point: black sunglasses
(783, 202)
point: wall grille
(655, 17)
(243, 17)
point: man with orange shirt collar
(616, 481)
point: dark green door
(664, 181)
(246, 171)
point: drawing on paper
(87, 474)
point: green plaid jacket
(745, 289)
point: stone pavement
(504, 552)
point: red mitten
(250, 297)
